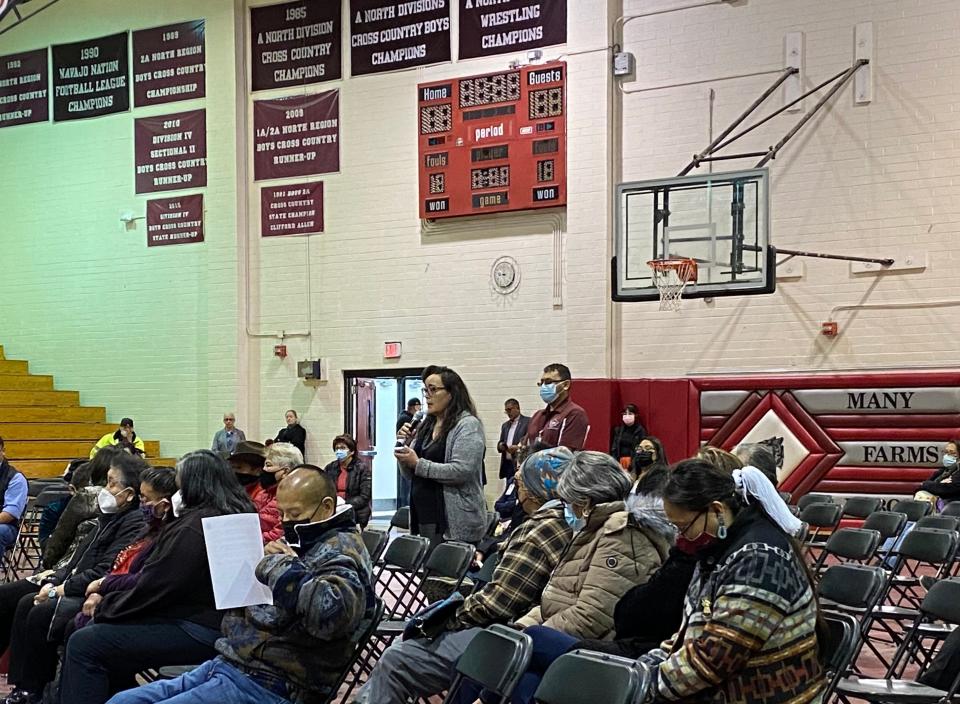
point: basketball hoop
(671, 277)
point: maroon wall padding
(670, 410)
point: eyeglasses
(431, 390)
(684, 529)
(550, 381)
(229, 419)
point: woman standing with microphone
(445, 462)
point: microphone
(414, 422)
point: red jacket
(266, 502)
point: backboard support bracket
(791, 253)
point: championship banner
(291, 210)
(488, 28)
(24, 88)
(170, 151)
(386, 36)
(91, 78)
(175, 220)
(169, 63)
(295, 44)
(296, 136)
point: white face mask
(176, 503)
(107, 501)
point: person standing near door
(511, 432)
(293, 433)
(445, 463)
(403, 483)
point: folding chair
(401, 518)
(821, 518)
(852, 590)
(861, 506)
(398, 577)
(358, 643)
(941, 603)
(940, 522)
(808, 499)
(495, 659)
(584, 677)
(891, 525)
(375, 542)
(951, 509)
(914, 509)
(848, 545)
(838, 654)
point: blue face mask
(949, 460)
(341, 454)
(548, 392)
(573, 521)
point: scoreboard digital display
(493, 143)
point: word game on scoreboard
(493, 143)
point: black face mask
(644, 458)
(290, 528)
(267, 479)
(246, 479)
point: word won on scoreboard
(493, 143)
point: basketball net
(671, 277)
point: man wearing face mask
(295, 649)
(247, 463)
(26, 611)
(562, 423)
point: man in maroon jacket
(562, 422)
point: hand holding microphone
(405, 454)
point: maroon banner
(171, 151)
(295, 43)
(488, 28)
(291, 210)
(169, 63)
(24, 91)
(386, 36)
(175, 220)
(91, 78)
(296, 136)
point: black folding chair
(853, 590)
(375, 542)
(951, 509)
(914, 509)
(838, 654)
(821, 519)
(495, 659)
(940, 522)
(889, 524)
(398, 576)
(808, 499)
(848, 545)
(861, 506)
(401, 518)
(358, 643)
(942, 603)
(584, 677)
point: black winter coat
(95, 557)
(359, 487)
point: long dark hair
(100, 464)
(460, 400)
(206, 481)
(162, 480)
(660, 463)
(694, 484)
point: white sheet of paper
(234, 548)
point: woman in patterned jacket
(750, 626)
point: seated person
(13, 489)
(169, 616)
(157, 487)
(125, 436)
(759, 455)
(26, 620)
(352, 477)
(51, 513)
(613, 551)
(418, 668)
(247, 462)
(295, 649)
(944, 485)
(281, 459)
(87, 482)
(649, 458)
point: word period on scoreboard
(493, 143)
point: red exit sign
(493, 143)
(392, 350)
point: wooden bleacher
(44, 429)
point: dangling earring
(721, 528)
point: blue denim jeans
(214, 682)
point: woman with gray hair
(612, 551)
(282, 458)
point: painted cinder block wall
(163, 334)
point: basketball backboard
(721, 220)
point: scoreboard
(493, 143)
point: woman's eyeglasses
(431, 390)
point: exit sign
(392, 350)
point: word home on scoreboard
(493, 143)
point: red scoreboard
(493, 143)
